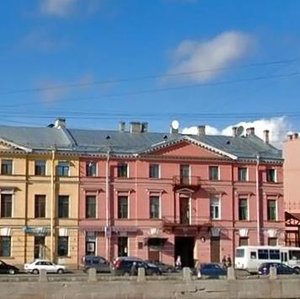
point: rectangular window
(263, 254)
(90, 206)
(6, 167)
(271, 175)
(40, 206)
(274, 253)
(243, 209)
(63, 168)
(63, 246)
(91, 168)
(40, 167)
(272, 210)
(243, 174)
(154, 207)
(122, 170)
(214, 173)
(215, 208)
(243, 241)
(5, 246)
(6, 205)
(63, 206)
(185, 174)
(123, 207)
(154, 171)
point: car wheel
(297, 269)
(11, 271)
(35, 271)
(60, 271)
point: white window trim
(219, 206)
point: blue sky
(96, 62)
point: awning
(155, 242)
(292, 219)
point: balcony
(175, 225)
(191, 182)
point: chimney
(266, 135)
(122, 126)
(250, 131)
(173, 130)
(290, 136)
(296, 136)
(201, 130)
(234, 131)
(60, 123)
(135, 127)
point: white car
(38, 265)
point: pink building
(159, 196)
(291, 149)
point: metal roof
(124, 142)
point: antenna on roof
(239, 131)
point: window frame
(243, 174)
(91, 169)
(274, 209)
(122, 170)
(40, 167)
(89, 205)
(154, 171)
(62, 206)
(63, 168)
(39, 207)
(2, 251)
(4, 213)
(6, 166)
(154, 213)
(240, 207)
(215, 207)
(212, 173)
(123, 214)
(61, 241)
(271, 175)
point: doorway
(39, 247)
(184, 247)
(215, 249)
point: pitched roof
(124, 142)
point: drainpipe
(52, 205)
(107, 197)
(257, 201)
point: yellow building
(39, 195)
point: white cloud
(202, 61)
(59, 8)
(278, 128)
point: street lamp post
(257, 200)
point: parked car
(264, 269)
(164, 268)
(211, 270)
(38, 265)
(98, 262)
(8, 269)
(130, 265)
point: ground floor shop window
(63, 246)
(5, 246)
(272, 241)
(243, 241)
(90, 243)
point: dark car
(97, 262)
(264, 269)
(164, 268)
(8, 269)
(211, 270)
(129, 266)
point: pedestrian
(178, 263)
(133, 269)
(224, 261)
(228, 261)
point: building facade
(291, 170)
(67, 193)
